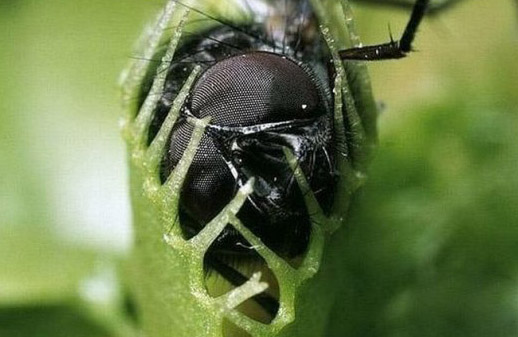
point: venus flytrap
(168, 275)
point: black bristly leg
(392, 49)
(433, 8)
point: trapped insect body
(246, 138)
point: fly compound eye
(259, 104)
(255, 88)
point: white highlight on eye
(304, 106)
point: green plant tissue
(168, 276)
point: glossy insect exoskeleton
(266, 87)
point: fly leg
(394, 49)
(434, 8)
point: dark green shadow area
(432, 238)
(52, 321)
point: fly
(267, 85)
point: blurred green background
(433, 237)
